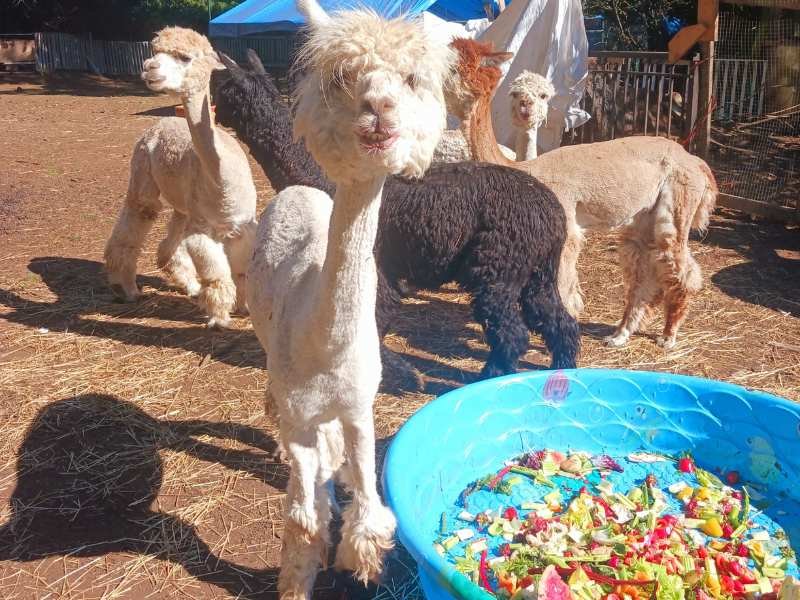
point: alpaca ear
(255, 62)
(313, 12)
(216, 62)
(495, 59)
(231, 65)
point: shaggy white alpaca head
(372, 99)
(530, 96)
(182, 62)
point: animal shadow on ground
(89, 470)
(80, 288)
(446, 328)
(161, 111)
(74, 84)
(771, 278)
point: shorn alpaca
(649, 188)
(530, 101)
(202, 173)
(370, 105)
(494, 230)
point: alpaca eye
(543, 96)
(411, 81)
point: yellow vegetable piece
(685, 493)
(702, 493)
(712, 527)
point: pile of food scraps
(555, 526)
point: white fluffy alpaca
(530, 101)
(370, 105)
(202, 173)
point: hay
(181, 448)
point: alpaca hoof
(218, 322)
(122, 295)
(279, 454)
(563, 363)
(490, 371)
(193, 289)
(365, 543)
(616, 340)
(665, 342)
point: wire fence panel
(755, 149)
(636, 93)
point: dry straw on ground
(136, 457)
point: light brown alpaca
(202, 173)
(648, 188)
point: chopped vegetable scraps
(576, 526)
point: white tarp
(547, 37)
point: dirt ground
(135, 455)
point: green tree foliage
(639, 24)
(108, 19)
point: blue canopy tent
(260, 16)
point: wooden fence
(740, 86)
(275, 51)
(637, 93)
(66, 52)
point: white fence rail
(740, 87)
(66, 52)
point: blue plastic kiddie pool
(470, 432)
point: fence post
(706, 85)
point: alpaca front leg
(141, 208)
(368, 529)
(123, 250)
(217, 291)
(173, 258)
(305, 538)
(239, 249)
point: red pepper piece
(510, 513)
(483, 569)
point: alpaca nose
(378, 106)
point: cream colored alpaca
(530, 102)
(202, 173)
(371, 105)
(648, 188)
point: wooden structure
(66, 52)
(705, 33)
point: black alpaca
(496, 231)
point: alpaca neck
(345, 299)
(480, 134)
(526, 143)
(266, 128)
(204, 134)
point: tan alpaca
(648, 188)
(202, 173)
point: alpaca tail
(709, 200)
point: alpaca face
(372, 102)
(530, 94)
(182, 62)
(166, 73)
